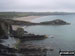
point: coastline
(28, 18)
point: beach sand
(28, 18)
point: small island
(54, 22)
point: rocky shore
(25, 36)
(6, 31)
(30, 50)
(6, 51)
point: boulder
(19, 32)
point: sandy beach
(28, 18)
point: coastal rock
(30, 50)
(19, 32)
(1, 41)
(27, 37)
(5, 28)
(3, 31)
(55, 22)
(6, 51)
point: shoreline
(27, 18)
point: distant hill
(22, 14)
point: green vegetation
(10, 15)
(17, 44)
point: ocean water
(64, 35)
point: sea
(60, 37)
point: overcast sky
(38, 5)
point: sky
(37, 5)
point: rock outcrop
(54, 22)
(19, 32)
(25, 36)
(30, 50)
(4, 31)
(6, 51)
(5, 28)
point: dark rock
(51, 49)
(3, 31)
(6, 51)
(29, 50)
(25, 32)
(22, 35)
(19, 32)
(1, 41)
(27, 37)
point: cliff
(6, 26)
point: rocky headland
(54, 22)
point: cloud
(37, 5)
